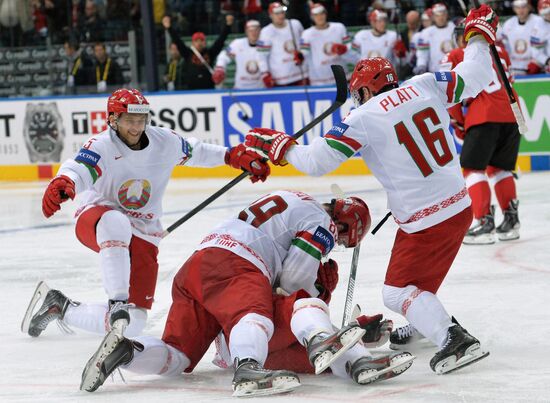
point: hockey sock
(249, 338)
(157, 358)
(113, 234)
(310, 317)
(480, 192)
(504, 184)
(94, 318)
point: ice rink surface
(498, 292)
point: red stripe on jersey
(450, 87)
(307, 236)
(347, 140)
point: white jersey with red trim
(403, 136)
(107, 172)
(276, 46)
(433, 44)
(316, 45)
(247, 63)
(517, 41)
(540, 41)
(366, 44)
(285, 234)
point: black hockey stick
(341, 97)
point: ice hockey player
(121, 175)
(324, 44)
(278, 46)
(377, 41)
(540, 41)
(276, 242)
(435, 41)
(489, 153)
(420, 171)
(244, 52)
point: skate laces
(405, 331)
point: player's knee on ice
(249, 338)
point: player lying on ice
(402, 133)
(121, 175)
(227, 286)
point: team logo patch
(444, 76)
(134, 193)
(325, 238)
(88, 157)
(338, 129)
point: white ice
(498, 292)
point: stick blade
(341, 83)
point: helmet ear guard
(353, 215)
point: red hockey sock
(480, 193)
(504, 185)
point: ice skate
(119, 317)
(251, 379)
(54, 306)
(369, 369)
(508, 230)
(323, 349)
(483, 233)
(114, 351)
(404, 336)
(460, 349)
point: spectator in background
(119, 14)
(174, 71)
(198, 58)
(91, 27)
(377, 41)
(540, 41)
(15, 19)
(80, 67)
(247, 59)
(57, 15)
(409, 38)
(108, 73)
(40, 32)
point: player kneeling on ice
(227, 286)
(122, 174)
(402, 133)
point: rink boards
(36, 134)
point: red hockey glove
(270, 143)
(399, 49)
(298, 58)
(481, 21)
(533, 68)
(327, 279)
(218, 76)
(268, 80)
(377, 330)
(458, 127)
(240, 158)
(338, 48)
(59, 190)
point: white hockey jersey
(517, 38)
(366, 44)
(540, 41)
(277, 46)
(403, 136)
(316, 45)
(247, 63)
(106, 172)
(285, 234)
(433, 44)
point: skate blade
(38, 296)
(450, 364)
(485, 239)
(348, 339)
(508, 236)
(398, 365)
(92, 377)
(280, 385)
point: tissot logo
(83, 122)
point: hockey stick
(341, 97)
(502, 74)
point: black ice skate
(460, 349)
(508, 230)
(114, 351)
(119, 317)
(251, 379)
(54, 306)
(404, 336)
(483, 233)
(369, 369)
(324, 349)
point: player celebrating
(244, 52)
(376, 41)
(277, 241)
(418, 167)
(121, 175)
(323, 45)
(491, 144)
(278, 46)
(435, 41)
(540, 41)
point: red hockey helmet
(374, 73)
(544, 7)
(276, 7)
(127, 101)
(353, 213)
